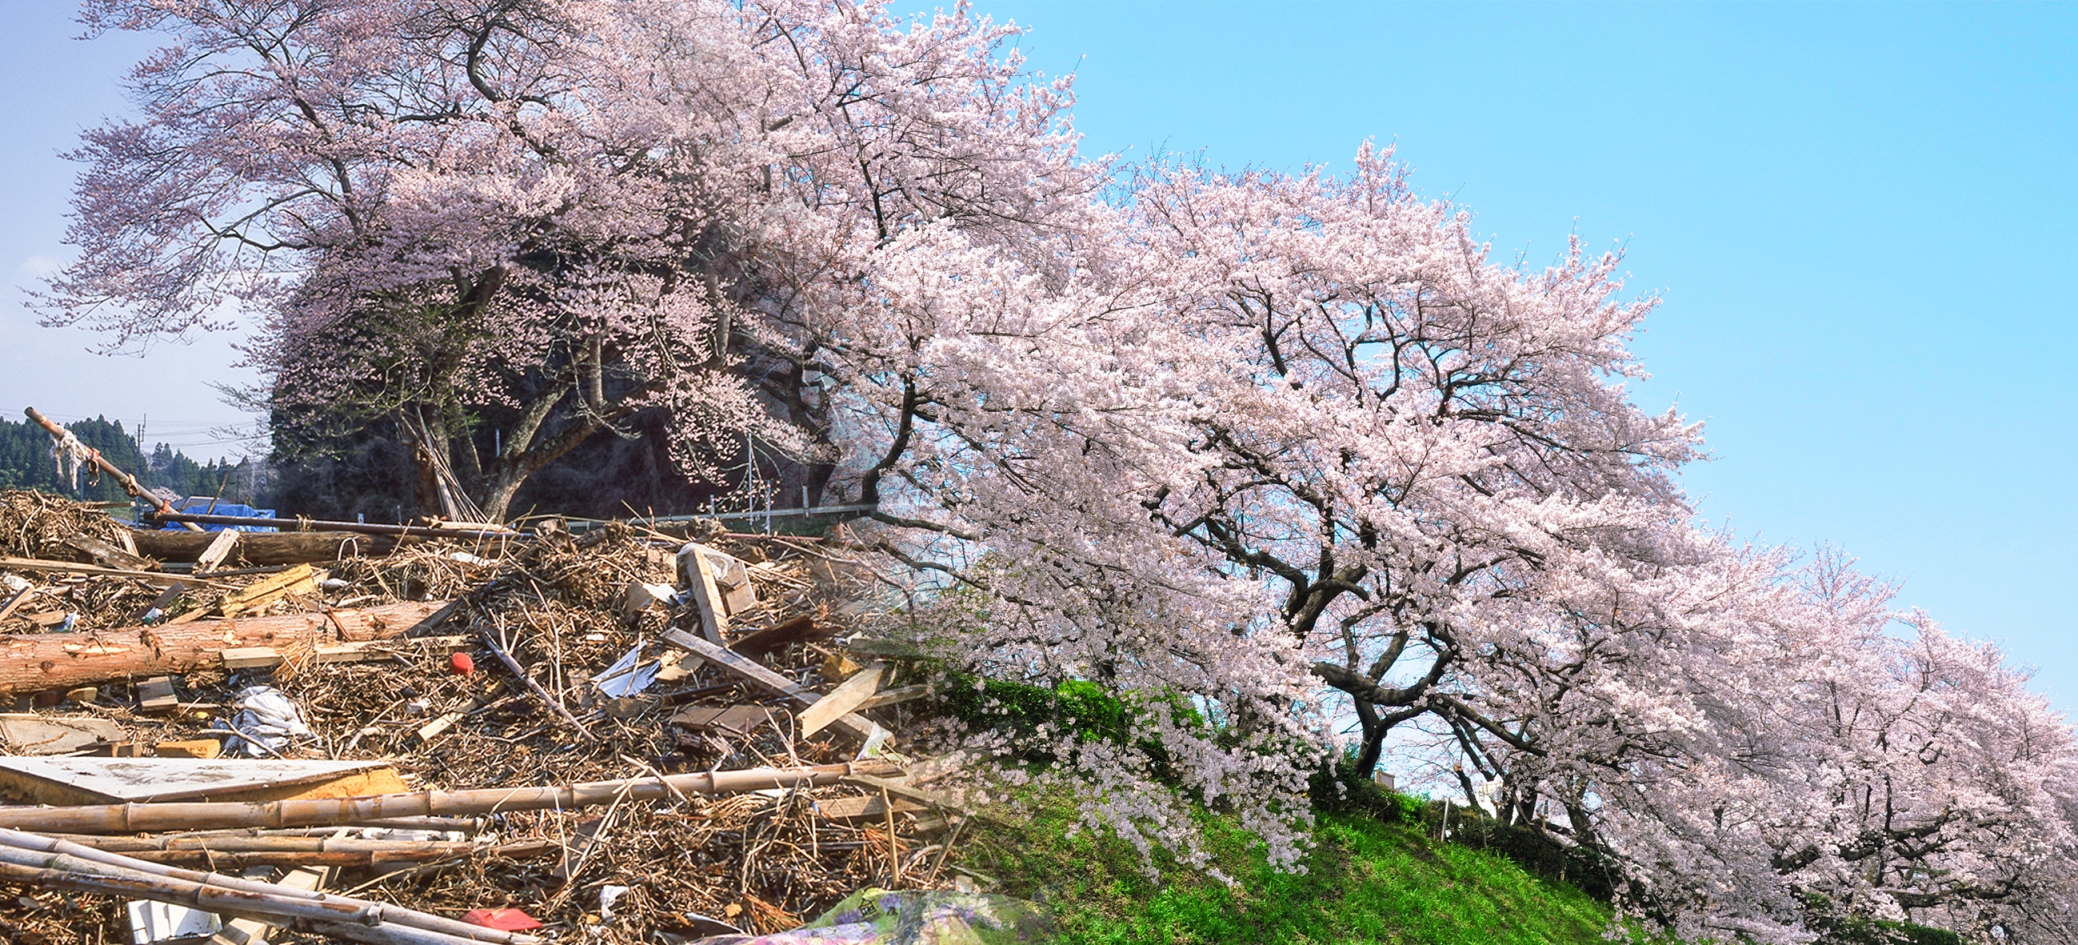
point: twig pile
(761, 861)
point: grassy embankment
(1367, 880)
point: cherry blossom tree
(553, 214)
(1255, 453)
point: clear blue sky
(1863, 220)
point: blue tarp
(201, 507)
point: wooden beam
(756, 672)
(841, 700)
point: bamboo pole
(316, 917)
(237, 853)
(207, 815)
(32, 851)
(128, 482)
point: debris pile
(617, 737)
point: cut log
(266, 548)
(34, 663)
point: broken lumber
(868, 808)
(840, 701)
(302, 812)
(219, 551)
(108, 555)
(801, 629)
(369, 651)
(301, 579)
(265, 548)
(756, 672)
(29, 734)
(707, 598)
(33, 663)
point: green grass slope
(1366, 881)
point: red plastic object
(461, 664)
(504, 920)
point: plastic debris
(504, 920)
(154, 921)
(626, 676)
(608, 895)
(935, 917)
(268, 719)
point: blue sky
(1862, 219)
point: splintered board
(121, 780)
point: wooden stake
(127, 481)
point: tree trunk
(266, 548)
(32, 663)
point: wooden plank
(300, 579)
(204, 748)
(251, 657)
(82, 780)
(67, 567)
(755, 672)
(156, 695)
(707, 599)
(218, 552)
(369, 651)
(17, 601)
(108, 555)
(869, 808)
(841, 700)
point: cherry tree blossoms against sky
(1257, 453)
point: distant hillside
(26, 463)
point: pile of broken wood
(623, 736)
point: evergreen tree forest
(26, 463)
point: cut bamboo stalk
(207, 815)
(366, 924)
(24, 849)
